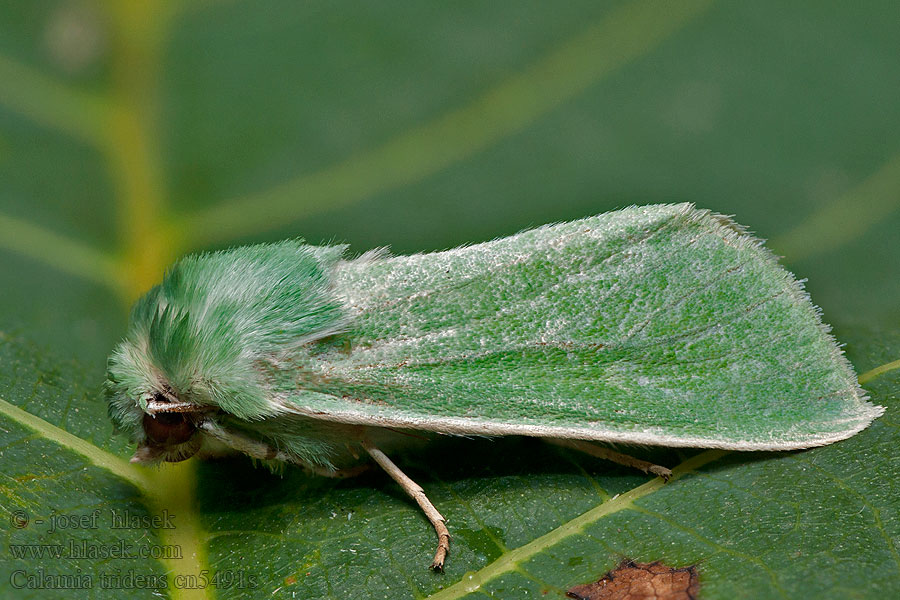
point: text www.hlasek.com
(83, 549)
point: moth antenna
(155, 407)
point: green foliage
(167, 128)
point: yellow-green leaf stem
(511, 560)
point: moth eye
(168, 428)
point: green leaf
(133, 132)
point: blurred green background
(132, 132)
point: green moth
(663, 325)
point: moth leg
(338, 473)
(263, 451)
(250, 447)
(418, 494)
(612, 455)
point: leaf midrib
(511, 560)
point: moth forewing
(661, 325)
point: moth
(656, 325)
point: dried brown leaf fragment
(641, 581)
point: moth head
(182, 361)
(170, 430)
(164, 428)
(160, 417)
(217, 336)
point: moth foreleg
(416, 492)
(263, 451)
(338, 473)
(250, 447)
(612, 455)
